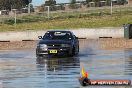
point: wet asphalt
(21, 68)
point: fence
(67, 13)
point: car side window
(68, 36)
(47, 36)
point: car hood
(54, 42)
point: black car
(58, 43)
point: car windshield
(58, 36)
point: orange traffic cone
(84, 80)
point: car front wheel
(72, 52)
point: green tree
(50, 3)
(122, 2)
(72, 4)
(72, 1)
(4, 5)
(88, 1)
(15, 4)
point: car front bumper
(58, 51)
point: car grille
(54, 45)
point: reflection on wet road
(21, 69)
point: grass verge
(67, 21)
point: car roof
(58, 31)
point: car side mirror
(76, 37)
(40, 37)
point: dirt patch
(98, 43)
(115, 43)
(17, 45)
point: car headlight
(42, 45)
(65, 45)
